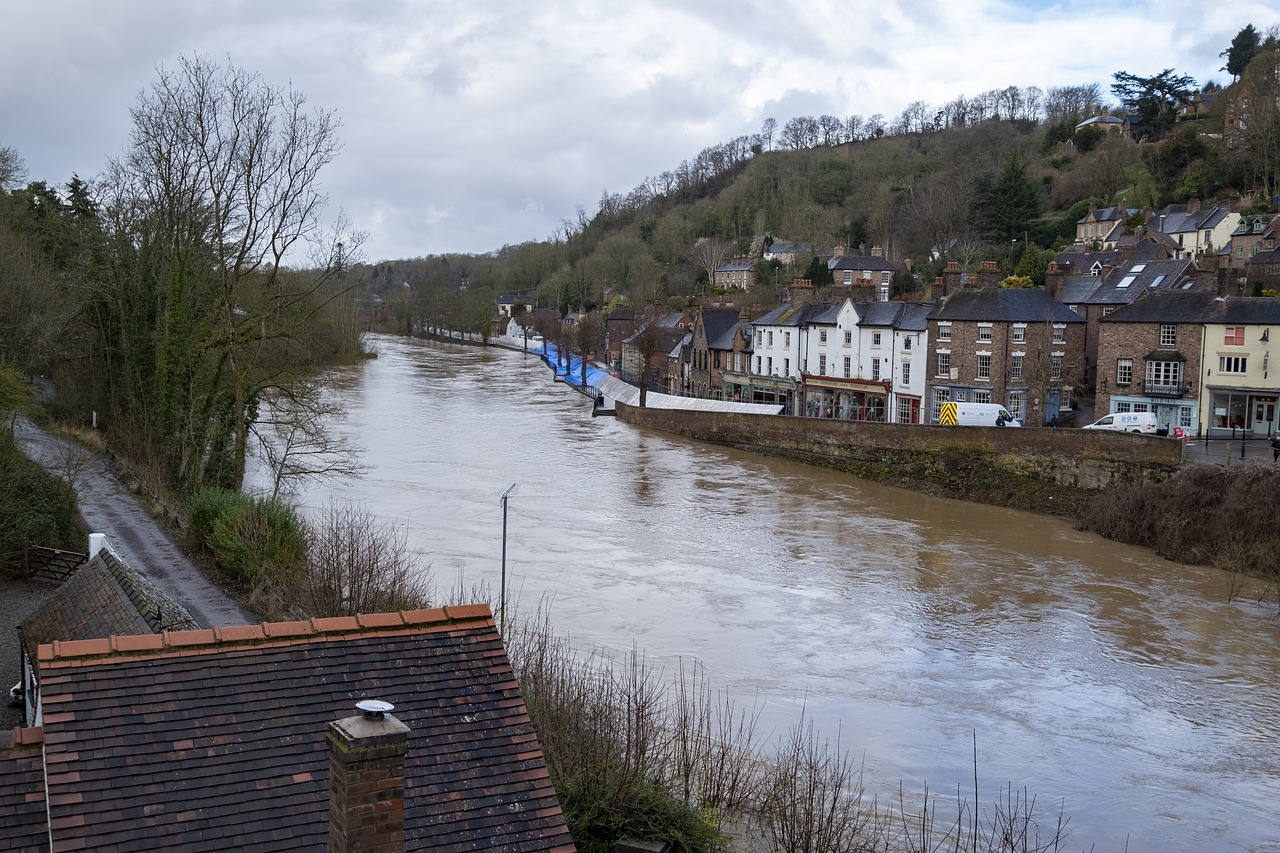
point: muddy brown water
(1126, 690)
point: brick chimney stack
(951, 278)
(1193, 205)
(801, 291)
(366, 781)
(989, 275)
(1053, 278)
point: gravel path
(109, 507)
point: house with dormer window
(1255, 235)
(1195, 230)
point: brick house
(707, 351)
(1256, 234)
(1095, 297)
(248, 738)
(1102, 226)
(1264, 269)
(736, 274)
(1149, 357)
(1019, 347)
(867, 277)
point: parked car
(1139, 422)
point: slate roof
(1168, 307)
(1199, 307)
(792, 314)
(1003, 305)
(724, 341)
(215, 739)
(1176, 218)
(737, 266)
(103, 598)
(1122, 286)
(905, 316)
(862, 262)
(24, 824)
(716, 322)
(1264, 258)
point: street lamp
(502, 585)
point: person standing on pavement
(1275, 447)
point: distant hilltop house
(1193, 229)
(1104, 121)
(873, 273)
(736, 274)
(787, 253)
(1103, 226)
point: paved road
(109, 507)
(1227, 451)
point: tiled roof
(23, 821)
(1003, 305)
(103, 598)
(717, 321)
(792, 314)
(215, 739)
(725, 340)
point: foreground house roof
(215, 739)
(1003, 305)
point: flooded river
(1123, 688)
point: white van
(975, 414)
(1139, 422)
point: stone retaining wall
(1007, 466)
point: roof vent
(374, 709)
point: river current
(1126, 690)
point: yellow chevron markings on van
(947, 417)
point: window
(848, 338)
(904, 410)
(940, 396)
(786, 367)
(1124, 371)
(906, 343)
(1064, 400)
(1168, 335)
(757, 365)
(1164, 373)
(875, 339)
(1233, 336)
(944, 331)
(984, 331)
(875, 370)
(884, 293)
(848, 365)
(1015, 367)
(848, 276)
(982, 396)
(1184, 417)
(1055, 367)
(1019, 332)
(822, 336)
(1108, 310)
(1059, 333)
(984, 366)
(1233, 364)
(1017, 403)
(884, 277)
(1123, 407)
(944, 363)
(770, 365)
(770, 338)
(906, 373)
(822, 365)
(787, 340)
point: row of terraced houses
(1153, 321)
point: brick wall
(1014, 465)
(1136, 341)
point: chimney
(988, 274)
(877, 251)
(1193, 205)
(951, 278)
(366, 781)
(801, 291)
(1053, 281)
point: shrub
(36, 508)
(254, 540)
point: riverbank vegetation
(636, 752)
(1204, 514)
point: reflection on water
(1117, 684)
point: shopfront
(845, 399)
(1253, 410)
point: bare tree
(709, 254)
(647, 345)
(294, 431)
(12, 169)
(356, 564)
(767, 130)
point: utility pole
(502, 586)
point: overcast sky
(470, 125)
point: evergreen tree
(1011, 205)
(1243, 48)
